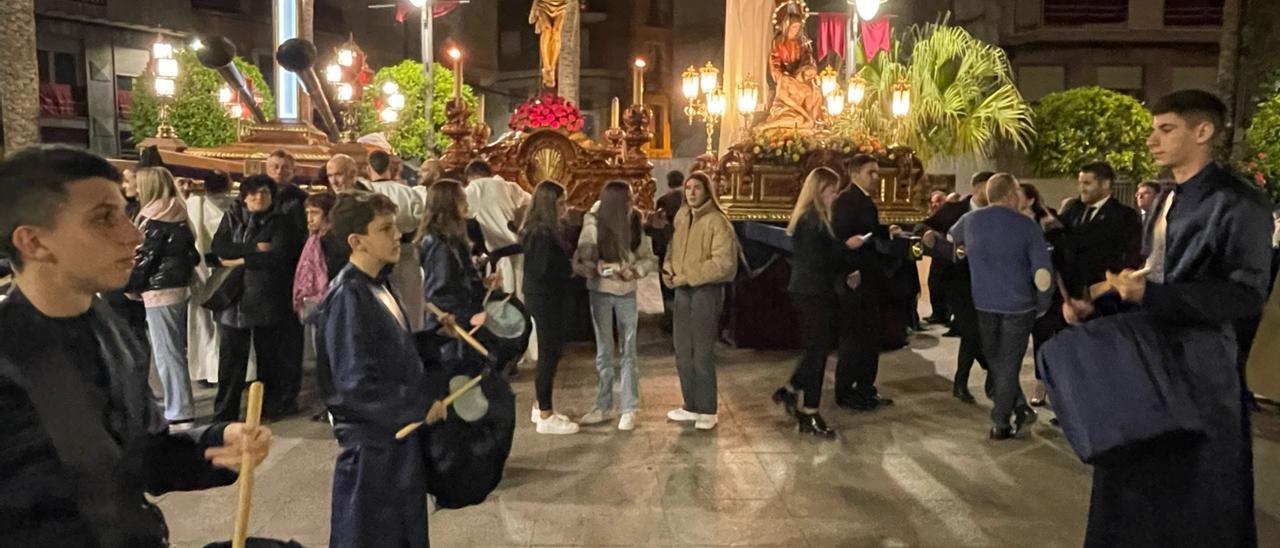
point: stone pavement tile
(732, 476)
(602, 525)
(497, 522)
(734, 522)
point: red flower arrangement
(547, 111)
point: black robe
(1216, 268)
(373, 383)
(82, 438)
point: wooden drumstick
(462, 333)
(252, 419)
(447, 401)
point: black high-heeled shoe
(787, 399)
(813, 424)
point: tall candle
(613, 113)
(480, 108)
(637, 86)
(457, 78)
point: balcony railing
(1083, 12)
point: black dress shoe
(785, 398)
(963, 394)
(1023, 416)
(1001, 432)
(951, 333)
(864, 403)
(813, 424)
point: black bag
(227, 293)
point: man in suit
(1100, 234)
(1207, 268)
(1145, 196)
(854, 213)
(956, 280)
(937, 291)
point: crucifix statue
(547, 18)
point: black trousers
(550, 314)
(938, 292)
(819, 319)
(292, 338)
(233, 362)
(859, 349)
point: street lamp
(393, 101)
(344, 73)
(701, 88)
(165, 70)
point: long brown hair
(617, 225)
(544, 211)
(810, 198)
(445, 215)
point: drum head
(504, 320)
(471, 406)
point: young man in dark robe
(82, 439)
(1207, 246)
(374, 383)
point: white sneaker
(596, 416)
(706, 422)
(680, 415)
(536, 416)
(628, 421)
(557, 424)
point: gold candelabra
(706, 102)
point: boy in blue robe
(374, 383)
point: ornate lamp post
(701, 88)
(234, 107)
(347, 75)
(165, 69)
(392, 101)
(748, 102)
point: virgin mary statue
(797, 100)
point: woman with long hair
(701, 261)
(165, 264)
(452, 282)
(547, 272)
(815, 269)
(613, 254)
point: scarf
(169, 210)
(311, 279)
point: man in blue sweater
(1012, 280)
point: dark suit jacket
(855, 213)
(1112, 241)
(946, 216)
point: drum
(506, 329)
(467, 452)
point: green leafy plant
(196, 114)
(1080, 125)
(408, 135)
(963, 99)
(1263, 137)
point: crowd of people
(372, 282)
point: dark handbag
(1116, 384)
(226, 294)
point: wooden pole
(253, 418)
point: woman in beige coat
(701, 260)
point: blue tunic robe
(1216, 268)
(373, 384)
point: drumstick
(1099, 288)
(462, 333)
(447, 401)
(252, 419)
(504, 303)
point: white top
(1091, 210)
(409, 204)
(493, 202)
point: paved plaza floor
(919, 473)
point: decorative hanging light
(835, 104)
(901, 99)
(748, 96)
(236, 111)
(396, 101)
(333, 74)
(225, 95)
(390, 87)
(828, 81)
(346, 92)
(689, 83)
(165, 87)
(161, 50)
(709, 78)
(346, 57)
(715, 103)
(167, 68)
(857, 90)
(390, 115)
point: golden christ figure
(547, 18)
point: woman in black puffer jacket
(163, 269)
(265, 243)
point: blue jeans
(1004, 342)
(605, 307)
(167, 328)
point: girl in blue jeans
(613, 255)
